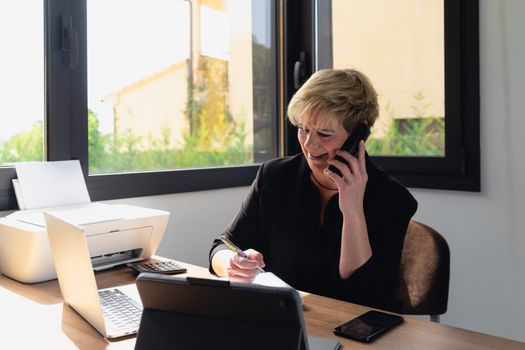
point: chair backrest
(425, 271)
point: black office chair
(425, 271)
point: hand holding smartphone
(351, 145)
(368, 326)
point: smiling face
(319, 141)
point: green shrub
(417, 135)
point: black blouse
(280, 218)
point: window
(422, 57)
(156, 96)
(185, 99)
(165, 96)
(192, 104)
(403, 54)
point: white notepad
(271, 280)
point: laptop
(110, 311)
(194, 313)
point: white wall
(485, 231)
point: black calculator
(157, 266)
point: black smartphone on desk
(351, 145)
(368, 326)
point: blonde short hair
(341, 95)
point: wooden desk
(33, 316)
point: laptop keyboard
(121, 313)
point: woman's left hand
(352, 183)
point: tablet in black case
(190, 313)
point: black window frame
(459, 169)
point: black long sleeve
(280, 218)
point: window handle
(299, 71)
(69, 41)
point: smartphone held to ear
(351, 145)
(368, 326)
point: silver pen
(237, 250)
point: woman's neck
(322, 187)
(326, 193)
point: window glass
(174, 84)
(22, 82)
(399, 44)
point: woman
(338, 236)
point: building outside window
(176, 89)
(400, 45)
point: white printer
(115, 233)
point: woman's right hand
(238, 269)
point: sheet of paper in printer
(51, 184)
(60, 187)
